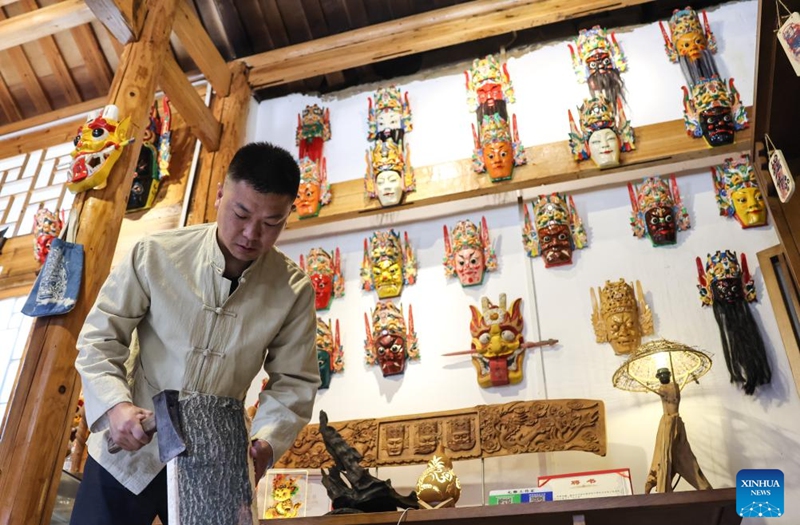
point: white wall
(728, 430)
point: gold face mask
(622, 316)
(738, 194)
(388, 264)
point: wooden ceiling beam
(122, 18)
(76, 110)
(43, 22)
(414, 34)
(198, 44)
(189, 104)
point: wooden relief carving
(543, 426)
(483, 431)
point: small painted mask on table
(98, 145)
(330, 356)
(738, 193)
(468, 252)
(314, 191)
(389, 343)
(622, 317)
(497, 342)
(388, 264)
(556, 230)
(657, 210)
(325, 273)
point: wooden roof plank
(77, 110)
(274, 21)
(93, 57)
(7, 102)
(414, 34)
(253, 20)
(122, 18)
(43, 22)
(198, 44)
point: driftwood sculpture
(360, 492)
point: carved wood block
(484, 431)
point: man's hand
(125, 425)
(261, 452)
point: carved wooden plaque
(484, 431)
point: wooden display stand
(704, 507)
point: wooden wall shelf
(703, 507)
(657, 145)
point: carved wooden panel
(484, 431)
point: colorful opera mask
(599, 62)
(690, 39)
(496, 149)
(389, 343)
(602, 133)
(468, 253)
(313, 129)
(497, 342)
(556, 230)
(388, 264)
(622, 317)
(314, 191)
(388, 176)
(489, 87)
(728, 287)
(330, 356)
(714, 111)
(98, 145)
(325, 273)
(154, 157)
(658, 210)
(47, 226)
(738, 194)
(390, 117)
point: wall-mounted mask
(497, 342)
(325, 273)
(714, 111)
(47, 226)
(389, 344)
(468, 252)
(738, 194)
(314, 191)
(691, 43)
(622, 316)
(330, 355)
(556, 230)
(497, 145)
(388, 176)
(658, 211)
(313, 129)
(388, 264)
(154, 157)
(602, 133)
(728, 287)
(390, 116)
(599, 62)
(98, 145)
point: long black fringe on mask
(609, 84)
(745, 355)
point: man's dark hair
(267, 168)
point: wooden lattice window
(14, 329)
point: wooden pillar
(231, 112)
(34, 438)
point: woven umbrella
(638, 373)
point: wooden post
(231, 112)
(34, 438)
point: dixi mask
(313, 129)
(599, 62)
(658, 211)
(468, 253)
(98, 145)
(690, 40)
(496, 341)
(714, 111)
(153, 164)
(389, 174)
(388, 264)
(622, 317)
(314, 191)
(556, 230)
(602, 133)
(325, 273)
(330, 356)
(728, 287)
(389, 343)
(47, 226)
(738, 194)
